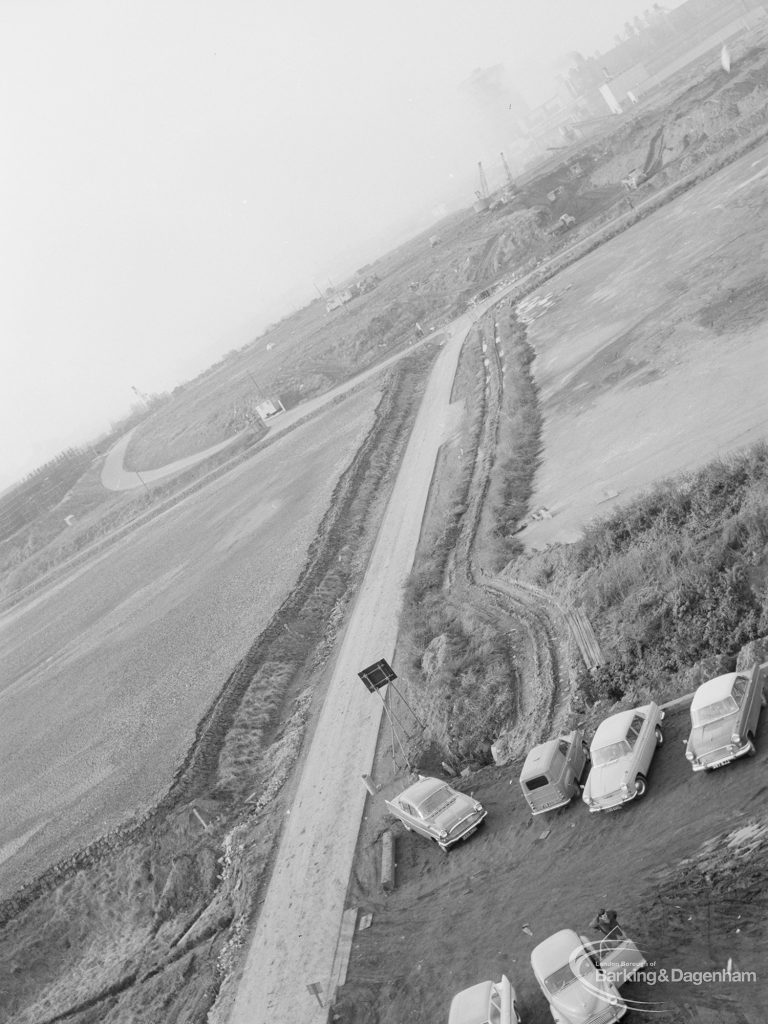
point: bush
(678, 575)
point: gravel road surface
(297, 930)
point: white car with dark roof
(622, 750)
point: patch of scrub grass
(674, 577)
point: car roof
(471, 1005)
(540, 757)
(714, 690)
(554, 952)
(615, 728)
(418, 790)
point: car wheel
(659, 736)
(763, 699)
(406, 827)
(516, 1013)
(585, 749)
(640, 785)
(750, 745)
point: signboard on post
(377, 675)
(316, 989)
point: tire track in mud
(527, 617)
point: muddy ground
(689, 900)
(650, 355)
(105, 679)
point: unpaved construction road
(296, 934)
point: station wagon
(554, 772)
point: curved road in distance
(115, 477)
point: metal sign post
(375, 678)
(315, 988)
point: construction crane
(483, 200)
(511, 188)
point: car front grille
(712, 758)
(471, 820)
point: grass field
(106, 676)
(652, 358)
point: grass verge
(677, 576)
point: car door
(647, 740)
(754, 699)
(568, 775)
(494, 1008)
(409, 816)
(740, 693)
(634, 738)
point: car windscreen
(610, 752)
(432, 803)
(712, 712)
(559, 979)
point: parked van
(554, 772)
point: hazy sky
(175, 173)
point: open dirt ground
(457, 919)
(106, 677)
(651, 355)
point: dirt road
(297, 930)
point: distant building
(267, 408)
(657, 47)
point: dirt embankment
(483, 655)
(145, 923)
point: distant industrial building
(654, 48)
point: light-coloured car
(490, 1002)
(554, 771)
(621, 751)
(434, 809)
(724, 717)
(570, 976)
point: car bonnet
(606, 779)
(579, 1001)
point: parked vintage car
(621, 751)
(724, 716)
(554, 772)
(490, 1002)
(436, 810)
(571, 977)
